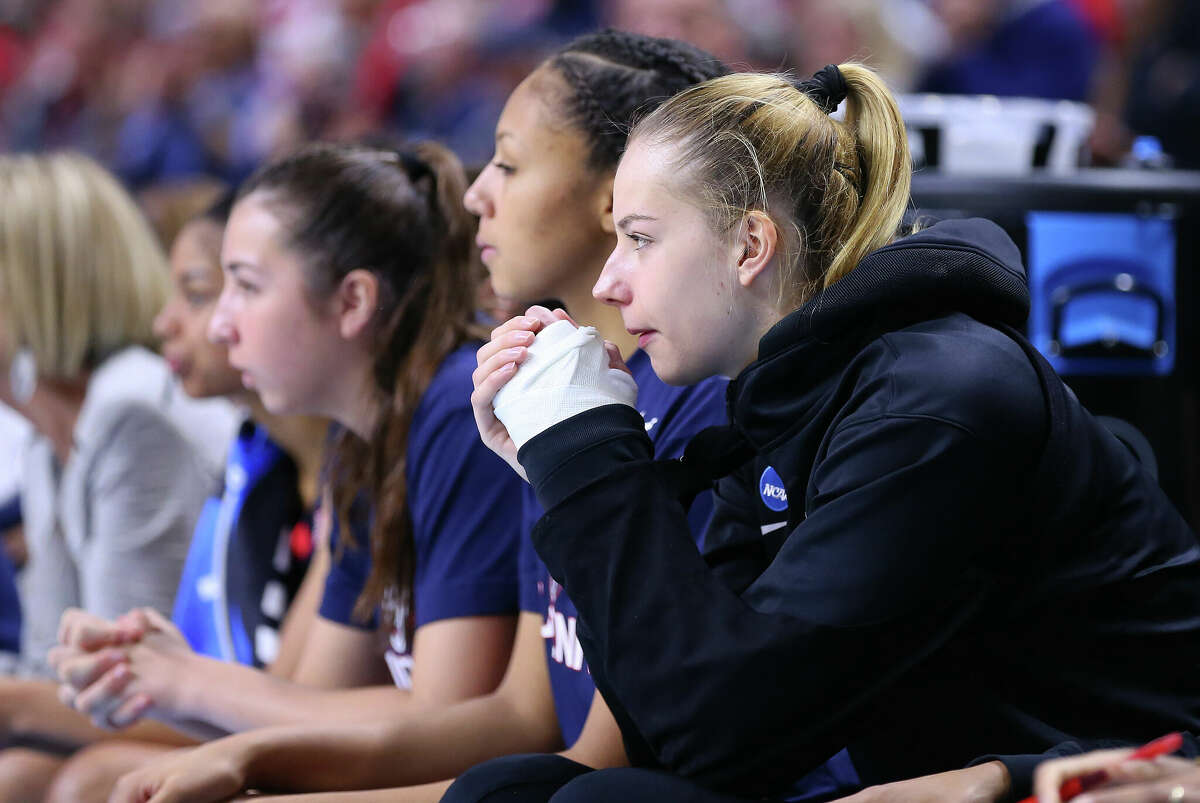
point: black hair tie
(827, 88)
(416, 167)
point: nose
(612, 288)
(220, 326)
(166, 322)
(477, 198)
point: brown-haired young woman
(348, 294)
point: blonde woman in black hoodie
(923, 548)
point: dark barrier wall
(1120, 321)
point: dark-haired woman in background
(349, 294)
(546, 228)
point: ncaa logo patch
(771, 489)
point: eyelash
(244, 285)
(506, 169)
(639, 241)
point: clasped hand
(115, 672)
(498, 361)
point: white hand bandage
(565, 373)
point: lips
(644, 336)
(486, 252)
(177, 365)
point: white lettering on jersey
(559, 630)
(398, 655)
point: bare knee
(91, 773)
(25, 774)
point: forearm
(425, 793)
(32, 711)
(696, 621)
(439, 744)
(664, 634)
(236, 698)
(599, 744)
(1019, 769)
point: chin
(276, 403)
(501, 287)
(198, 390)
(674, 371)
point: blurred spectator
(1164, 82)
(1025, 48)
(708, 24)
(168, 90)
(115, 477)
(171, 206)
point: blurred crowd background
(165, 91)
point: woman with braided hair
(923, 548)
(546, 228)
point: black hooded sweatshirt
(967, 562)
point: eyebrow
(625, 221)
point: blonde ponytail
(882, 145)
(760, 142)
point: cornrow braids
(614, 77)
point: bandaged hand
(537, 370)
(566, 372)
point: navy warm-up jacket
(961, 561)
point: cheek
(211, 354)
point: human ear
(756, 242)
(356, 299)
(604, 204)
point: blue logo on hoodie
(771, 489)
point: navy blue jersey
(673, 415)
(245, 562)
(465, 524)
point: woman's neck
(302, 437)
(53, 411)
(586, 310)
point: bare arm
(518, 717)
(30, 710)
(425, 793)
(454, 659)
(599, 744)
(438, 744)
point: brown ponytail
(398, 214)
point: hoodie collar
(969, 266)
